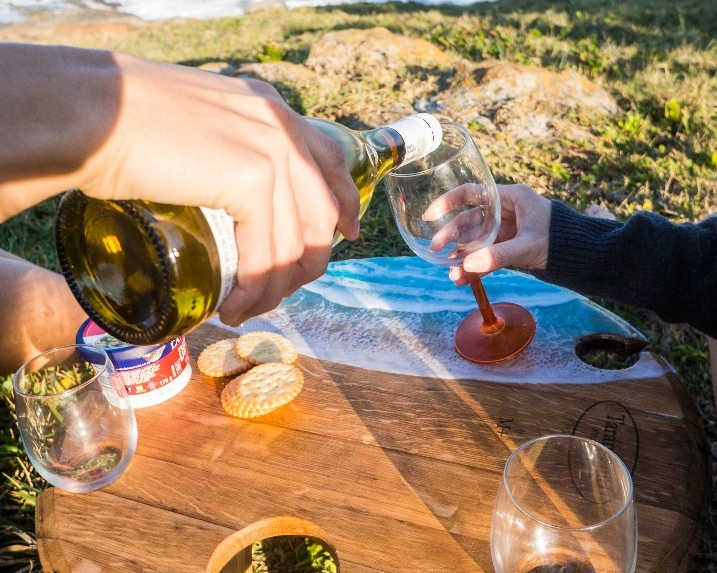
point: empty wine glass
(564, 505)
(75, 419)
(446, 206)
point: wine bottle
(147, 273)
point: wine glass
(446, 206)
(564, 505)
(74, 416)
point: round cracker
(221, 359)
(263, 346)
(262, 389)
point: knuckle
(269, 302)
(523, 189)
(330, 216)
(278, 109)
(264, 171)
(295, 251)
(500, 256)
(334, 154)
(315, 271)
(262, 87)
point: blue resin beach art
(399, 315)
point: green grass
(657, 57)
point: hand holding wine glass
(446, 206)
(522, 240)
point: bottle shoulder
(352, 145)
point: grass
(657, 57)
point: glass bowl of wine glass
(446, 206)
(75, 418)
(564, 505)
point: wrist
(542, 213)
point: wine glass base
(475, 342)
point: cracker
(262, 346)
(221, 359)
(261, 390)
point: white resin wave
(398, 315)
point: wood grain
(400, 472)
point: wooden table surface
(399, 472)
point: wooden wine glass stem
(490, 322)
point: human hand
(119, 127)
(465, 227)
(185, 136)
(522, 239)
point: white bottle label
(222, 227)
(422, 133)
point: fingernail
(473, 265)
(355, 229)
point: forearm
(647, 262)
(58, 107)
(37, 311)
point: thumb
(491, 258)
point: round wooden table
(393, 450)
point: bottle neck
(385, 148)
(402, 141)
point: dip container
(151, 374)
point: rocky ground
(519, 102)
(69, 27)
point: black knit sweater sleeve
(647, 262)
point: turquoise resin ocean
(399, 314)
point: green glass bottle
(147, 273)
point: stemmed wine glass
(446, 206)
(564, 505)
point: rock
(373, 117)
(271, 72)
(375, 54)
(371, 70)
(521, 101)
(497, 82)
(367, 77)
(525, 101)
(69, 28)
(292, 81)
(222, 68)
(280, 72)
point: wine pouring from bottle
(147, 273)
